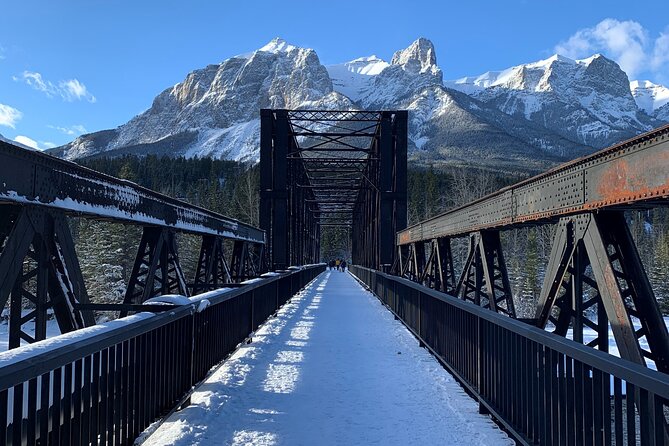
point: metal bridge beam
(156, 270)
(212, 267)
(38, 264)
(484, 280)
(617, 293)
(34, 178)
(595, 277)
(369, 186)
(628, 175)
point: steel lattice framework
(38, 261)
(594, 278)
(332, 168)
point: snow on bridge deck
(333, 367)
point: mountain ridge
(530, 116)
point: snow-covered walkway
(333, 367)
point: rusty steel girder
(630, 174)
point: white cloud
(69, 90)
(627, 42)
(76, 129)
(2, 52)
(47, 144)
(660, 56)
(74, 90)
(35, 80)
(27, 141)
(9, 115)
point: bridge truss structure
(332, 168)
(595, 277)
(38, 260)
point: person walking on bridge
(337, 263)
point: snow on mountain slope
(529, 116)
(221, 103)
(410, 70)
(662, 113)
(354, 77)
(448, 126)
(649, 96)
(586, 101)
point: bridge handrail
(32, 360)
(162, 356)
(415, 305)
(633, 373)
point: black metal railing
(106, 384)
(542, 388)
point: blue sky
(68, 67)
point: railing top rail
(35, 178)
(30, 361)
(633, 373)
(635, 171)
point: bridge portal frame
(296, 200)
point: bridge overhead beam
(274, 148)
(392, 184)
(381, 210)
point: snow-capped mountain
(527, 117)
(354, 77)
(215, 110)
(587, 101)
(651, 98)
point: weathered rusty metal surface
(32, 178)
(632, 173)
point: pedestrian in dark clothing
(343, 265)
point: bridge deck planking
(332, 368)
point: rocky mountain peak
(605, 74)
(534, 114)
(419, 57)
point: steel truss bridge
(332, 168)
(538, 377)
